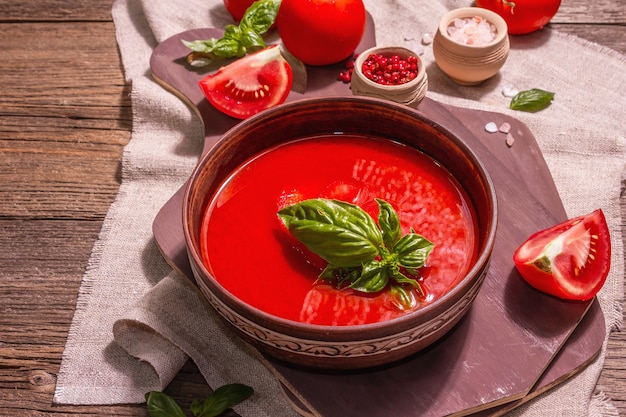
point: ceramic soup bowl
(265, 283)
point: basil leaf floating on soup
(389, 223)
(373, 277)
(412, 251)
(340, 233)
(357, 251)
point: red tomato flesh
(250, 84)
(570, 260)
(251, 254)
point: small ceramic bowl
(471, 64)
(350, 346)
(410, 93)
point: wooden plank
(610, 36)
(72, 68)
(580, 11)
(602, 11)
(62, 132)
(58, 179)
(58, 10)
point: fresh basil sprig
(237, 40)
(365, 255)
(532, 100)
(162, 405)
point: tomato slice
(570, 260)
(250, 84)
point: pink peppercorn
(390, 70)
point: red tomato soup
(248, 250)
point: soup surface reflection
(248, 250)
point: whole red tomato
(523, 16)
(237, 8)
(321, 32)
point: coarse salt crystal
(509, 140)
(508, 91)
(505, 127)
(491, 127)
(472, 31)
(427, 39)
(414, 45)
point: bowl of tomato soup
(350, 150)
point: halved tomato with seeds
(570, 260)
(250, 84)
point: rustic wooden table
(65, 117)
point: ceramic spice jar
(410, 93)
(471, 44)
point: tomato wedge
(250, 84)
(570, 260)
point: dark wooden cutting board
(513, 344)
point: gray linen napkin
(137, 322)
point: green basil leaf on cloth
(532, 100)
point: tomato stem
(511, 4)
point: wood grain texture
(64, 119)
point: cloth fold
(137, 322)
(172, 322)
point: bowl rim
(358, 331)
(491, 16)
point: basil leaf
(162, 405)
(202, 46)
(227, 48)
(330, 273)
(230, 45)
(532, 100)
(400, 278)
(389, 223)
(237, 40)
(356, 249)
(412, 250)
(374, 278)
(196, 407)
(260, 16)
(250, 40)
(403, 298)
(222, 399)
(339, 275)
(232, 32)
(341, 233)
